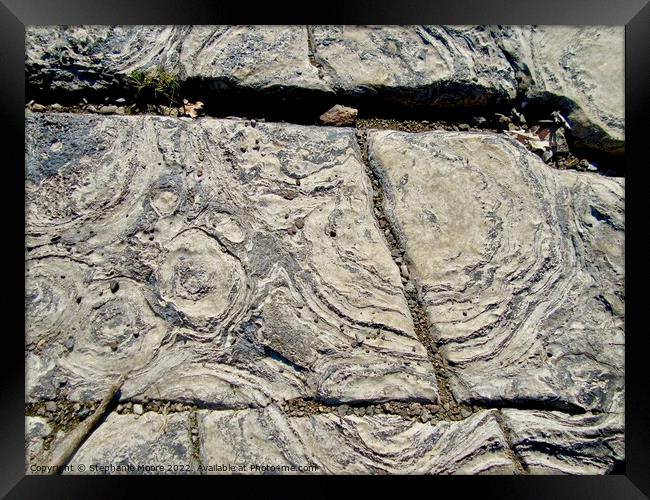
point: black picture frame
(633, 482)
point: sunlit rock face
(579, 70)
(329, 444)
(520, 267)
(216, 262)
(326, 299)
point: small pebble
(50, 406)
(137, 409)
(108, 110)
(115, 286)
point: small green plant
(159, 82)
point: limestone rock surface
(258, 57)
(73, 58)
(96, 58)
(329, 444)
(520, 267)
(145, 443)
(36, 429)
(582, 70)
(557, 443)
(215, 262)
(436, 65)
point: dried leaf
(190, 109)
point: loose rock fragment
(339, 115)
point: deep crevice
(450, 407)
(549, 404)
(304, 107)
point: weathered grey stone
(557, 443)
(579, 68)
(219, 301)
(74, 58)
(126, 444)
(332, 444)
(94, 58)
(514, 261)
(36, 429)
(260, 57)
(436, 65)
(41, 376)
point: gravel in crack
(409, 410)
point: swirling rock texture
(329, 444)
(96, 58)
(557, 443)
(440, 65)
(102, 57)
(520, 267)
(256, 280)
(36, 429)
(248, 264)
(580, 68)
(146, 444)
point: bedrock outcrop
(580, 70)
(520, 267)
(577, 70)
(214, 262)
(325, 299)
(329, 444)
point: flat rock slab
(520, 267)
(214, 261)
(96, 58)
(578, 70)
(100, 58)
(432, 65)
(129, 444)
(557, 443)
(436, 65)
(582, 70)
(36, 430)
(268, 442)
